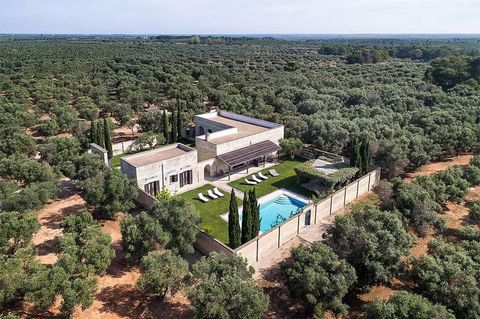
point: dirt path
(45, 241)
(439, 166)
(117, 296)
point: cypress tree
(255, 212)
(100, 135)
(246, 220)
(180, 123)
(234, 234)
(366, 155)
(165, 127)
(108, 138)
(173, 119)
(353, 155)
(93, 132)
(358, 157)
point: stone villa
(225, 142)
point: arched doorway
(206, 171)
(201, 131)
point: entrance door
(308, 217)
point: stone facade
(172, 172)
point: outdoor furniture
(217, 192)
(202, 198)
(262, 176)
(211, 194)
(274, 173)
(249, 182)
(256, 179)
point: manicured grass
(287, 180)
(210, 212)
(116, 160)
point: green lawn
(287, 180)
(210, 212)
(116, 160)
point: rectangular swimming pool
(278, 210)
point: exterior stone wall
(101, 152)
(162, 170)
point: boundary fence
(312, 214)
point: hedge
(306, 171)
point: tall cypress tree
(234, 234)
(353, 155)
(108, 138)
(165, 126)
(255, 212)
(100, 135)
(246, 220)
(358, 158)
(366, 155)
(180, 127)
(93, 132)
(173, 119)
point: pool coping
(270, 196)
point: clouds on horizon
(234, 16)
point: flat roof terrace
(244, 129)
(157, 155)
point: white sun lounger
(262, 176)
(273, 173)
(256, 179)
(217, 192)
(202, 198)
(211, 194)
(249, 182)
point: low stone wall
(207, 244)
(264, 244)
(125, 147)
(145, 200)
(267, 242)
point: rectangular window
(186, 178)
(152, 188)
(173, 178)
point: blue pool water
(277, 211)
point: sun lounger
(256, 179)
(262, 176)
(273, 173)
(249, 182)
(211, 194)
(217, 192)
(202, 198)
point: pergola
(247, 154)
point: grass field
(210, 212)
(287, 180)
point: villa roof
(157, 155)
(249, 153)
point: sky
(240, 17)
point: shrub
(373, 242)
(318, 277)
(306, 171)
(474, 212)
(405, 305)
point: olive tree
(318, 277)
(225, 289)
